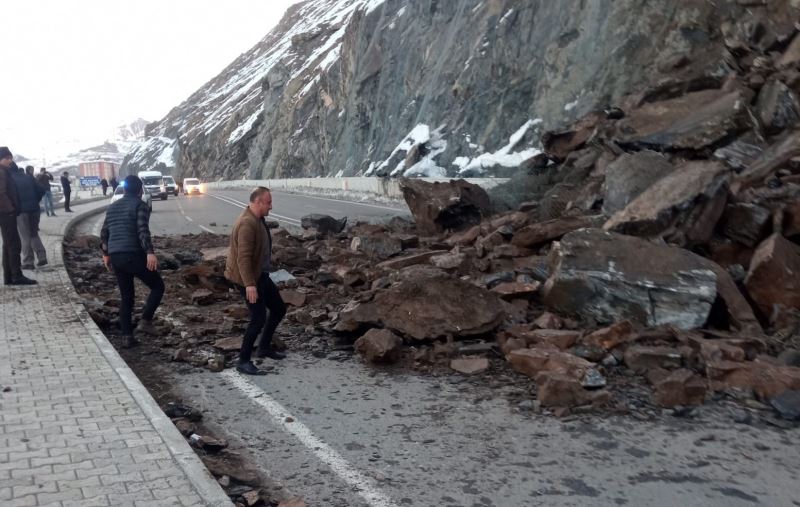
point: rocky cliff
(427, 87)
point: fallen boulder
(681, 387)
(684, 205)
(380, 346)
(323, 224)
(630, 175)
(440, 206)
(542, 232)
(773, 281)
(690, 122)
(532, 362)
(611, 277)
(559, 390)
(427, 305)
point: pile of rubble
(660, 239)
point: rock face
(340, 85)
(611, 277)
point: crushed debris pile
(665, 248)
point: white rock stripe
(363, 485)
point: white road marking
(240, 204)
(365, 486)
(189, 218)
(206, 229)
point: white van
(153, 181)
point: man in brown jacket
(9, 209)
(248, 266)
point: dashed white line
(206, 229)
(364, 486)
(189, 218)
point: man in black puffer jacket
(30, 193)
(128, 252)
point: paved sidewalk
(76, 426)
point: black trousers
(12, 247)
(128, 266)
(268, 298)
(66, 200)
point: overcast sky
(74, 70)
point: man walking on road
(29, 193)
(128, 252)
(114, 184)
(9, 208)
(43, 179)
(104, 185)
(65, 186)
(247, 266)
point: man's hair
(66, 173)
(42, 169)
(132, 184)
(258, 192)
(5, 152)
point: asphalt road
(341, 433)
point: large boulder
(440, 206)
(611, 277)
(426, 306)
(686, 205)
(380, 346)
(323, 224)
(630, 175)
(777, 107)
(539, 233)
(773, 282)
(690, 122)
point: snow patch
(504, 156)
(245, 127)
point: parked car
(191, 186)
(172, 187)
(146, 196)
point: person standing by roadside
(247, 266)
(104, 185)
(114, 184)
(9, 207)
(67, 189)
(43, 179)
(29, 193)
(128, 252)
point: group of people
(21, 193)
(128, 252)
(104, 184)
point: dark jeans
(128, 266)
(12, 247)
(268, 298)
(66, 200)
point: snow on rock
(503, 157)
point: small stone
(787, 404)
(469, 365)
(224, 481)
(289, 420)
(593, 379)
(252, 497)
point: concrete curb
(201, 479)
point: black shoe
(271, 353)
(130, 342)
(42, 262)
(23, 280)
(249, 368)
(68, 211)
(29, 267)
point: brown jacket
(9, 200)
(243, 266)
